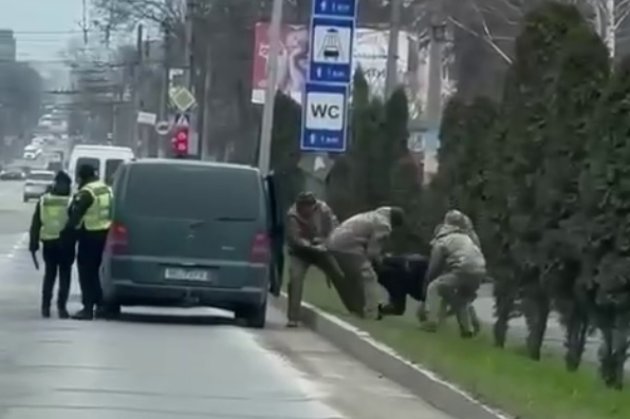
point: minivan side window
(95, 163)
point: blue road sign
(331, 50)
(335, 8)
(324, 117)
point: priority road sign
(324, 118)
(182, 98)
(331, 49)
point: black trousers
(402, 276)
(89, 258)
(58, 259)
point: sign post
(325, 110)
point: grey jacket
(453, 250)
(362, 233)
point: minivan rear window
(192, 192)
(95, 163)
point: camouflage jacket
(303, 233)
(453, 250)
(363, 233)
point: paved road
(169, 363)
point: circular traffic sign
(163, 127)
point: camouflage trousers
(360, 291)
(457, 290)
(298, 267)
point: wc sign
(325, 111)
(325, 104)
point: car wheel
(253, 316)
(24, 198)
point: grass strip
(502, 378)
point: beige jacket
(362, 234)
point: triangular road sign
(181, 120)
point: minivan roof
(195, 163)
(101, 148)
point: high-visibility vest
(53, 213)
(98, 217)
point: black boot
(85, 314)
(46, 311)
(63, 312)
(100, 312)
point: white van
(104, 158)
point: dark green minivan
(190, 233)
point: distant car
(37, 183)
(14, 173)
(189, 233)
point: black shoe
(63, 313)
(46, 312)
(380, 315)
(100, 313)
(84, 314)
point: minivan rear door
(276, 233)
(197, 212)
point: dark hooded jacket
(61, 187)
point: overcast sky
(42, 27)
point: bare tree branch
(488, 41)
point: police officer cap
(62, 177)
(86, 171)
(306, 198)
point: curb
(441, 394)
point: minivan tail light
(261, 249)
(117, 239)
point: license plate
(186, 274)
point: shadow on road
(171, 319)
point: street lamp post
(264, 154)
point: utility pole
(436, 48)
(264, 153)
(189, 78)
(136, 91)
(391, 77)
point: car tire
(255, 317)
(24, 198)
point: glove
(33, 248)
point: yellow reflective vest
(98, 216)
(53, 213)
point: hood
(60, 190)
(444, 230)
(384, 212)
(459, 219)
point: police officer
(49, 218)
(90, 214)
